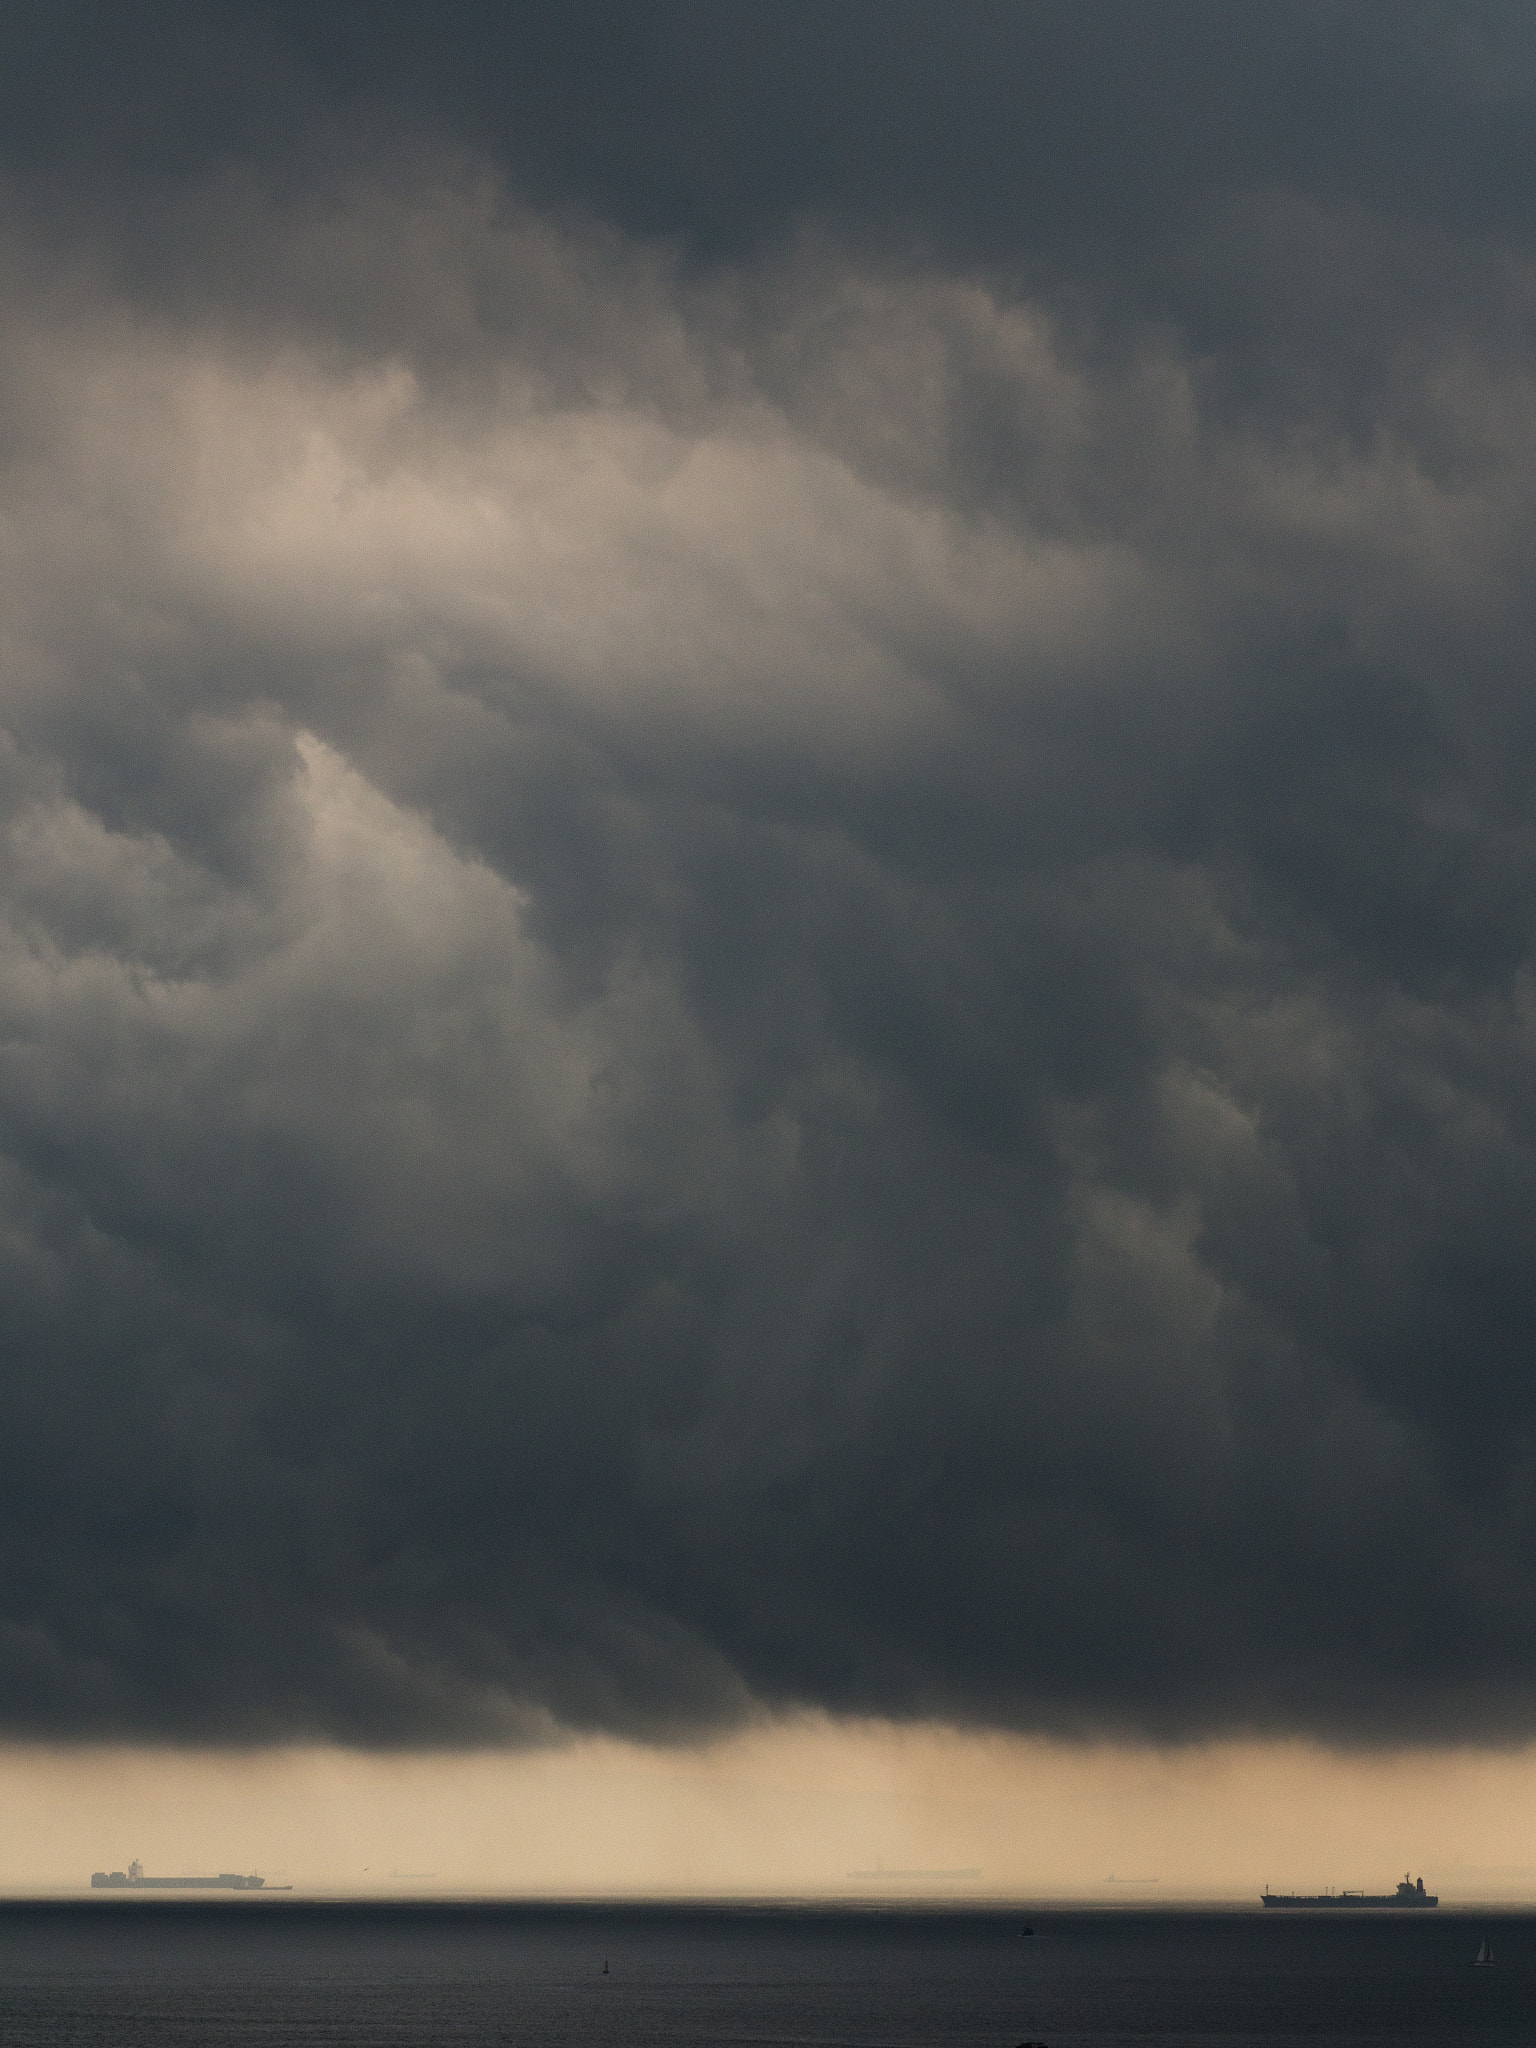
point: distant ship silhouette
(133, 1880)
(1407, 1894)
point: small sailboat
(605, 1966)
(1483, 1960)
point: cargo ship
(1407, 1894)
(133, 1880)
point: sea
(265, 1973)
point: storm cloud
(767, 872)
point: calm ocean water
(261, 1974)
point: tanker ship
(1407, 1894)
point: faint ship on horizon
(1407, 1894)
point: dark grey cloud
(767, 834)
(1005, 125)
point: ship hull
(227, 1881)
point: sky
(767, 899)
(863, 1814)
